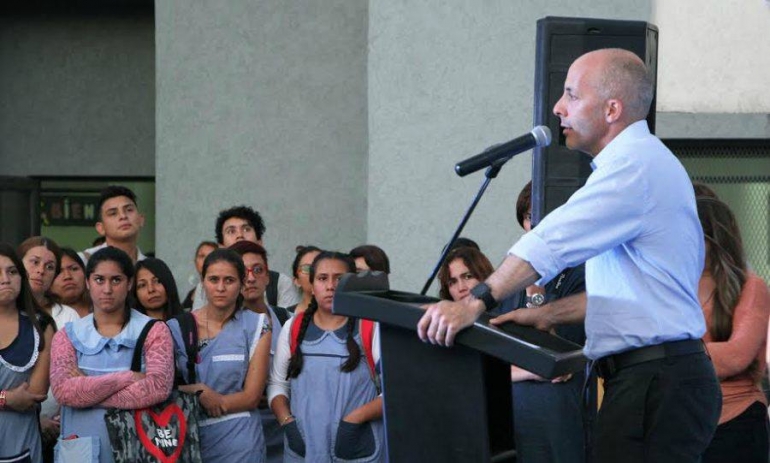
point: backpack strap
(294, 335)
(189, 328)
(281, 313)
(136, 360)
(366, 329)
(272, 288)
(367, 337)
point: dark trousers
(743, 439)
(548, 421)
(659, 411)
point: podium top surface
(367, 295)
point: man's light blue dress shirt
(636, 226)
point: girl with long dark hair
(300, 269)
(91, 367)
(25, 340)
(231, 366)
(69, 286)
(323, 392)
(42, 260)
(155, 292)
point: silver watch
(535, 300)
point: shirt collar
(638, 129)
(92, 251)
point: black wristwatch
(483, 293)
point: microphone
(539, 136)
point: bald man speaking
(635, 225)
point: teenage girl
(324, 393)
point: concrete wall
(264, 104)
(716, 55)
(446, 80)
(340, 121)
(77, 94)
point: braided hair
(354, 351)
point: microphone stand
(490, 173)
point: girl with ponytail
(231, 364)
(321, 388)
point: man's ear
(613, 109)
(99, 228)
(141, 221)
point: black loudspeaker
(557, 172)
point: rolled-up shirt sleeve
(606, 212)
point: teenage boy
(244, 223)
(119, 222)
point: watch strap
(483, 292)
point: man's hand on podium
(443, 320)
(570, 309)
(537, 317)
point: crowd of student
(279, 376)
(72, 320)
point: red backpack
(365, 327)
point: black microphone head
(542, 135)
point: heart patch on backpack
(161, 437)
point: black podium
(448, 404)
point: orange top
(733, 357)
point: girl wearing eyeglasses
(253, 291)
(232, 364)
(301, 270)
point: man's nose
(558, 108)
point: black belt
(608, 366)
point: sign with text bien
(68, 209)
